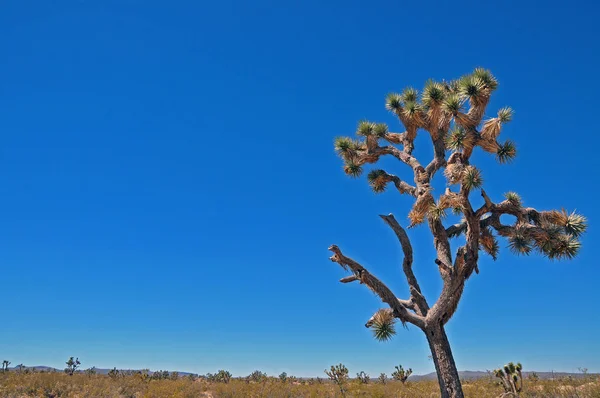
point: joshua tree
(451, 113)
(90, 371)
(363, 378)
(222, 376)
(5, 364)
(401, 374)
(257, 376)
(283, 377)
(511, 378)
(382, 378)
(72, 365)
(339, 375)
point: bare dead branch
(419, 299)
(377, 287)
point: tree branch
(416, 293)
(377, 287)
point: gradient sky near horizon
(170, 188)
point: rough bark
(445, 367)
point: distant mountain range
(467, 374)
(98, 370)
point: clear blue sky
(170, 188)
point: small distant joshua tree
(113, 373)
(339, 375)
(72, 365)
(401, 374)
(20, 368)
(452, 115)
(90, 371)
(363, 378)
(511, 379)
(283, 377)
(382, 378)
(533, 376)
(222, 376)
(257, 376)
(5, 364)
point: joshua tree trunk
(444, 363)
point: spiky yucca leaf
(513, 198)
(518, 244)
(365, 128)
(511, 367)
(383, 325)
(472, 178)
(563, 247)
(576, 224)
(457, 211)
(452, 104)
(505, 114)
(433, 94)
(342, 144)
(380, 130)
(352, 169)
(471, 86)
(507, 152)
(411, 110)
(437, 212)
(519, 367)
(458, 139)
(356, 145)
(377, 180)
(486, 77)
(393, 102)
(409, 95)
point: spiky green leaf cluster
(343, 144)
(505, 114)
(383, 325)
(410, 95)
(433, 94)
(563, 247)
(365, 128)
(393, 102)
(452, 104)
(576, 224)
(455, 140)
(486, 77)
(470, 86)
(437, 212)
(411, 108)
(472, 178)
(380, 130)
(519, 244)
(352, 169)
(377, 180)
(513, 198)
(507, 152)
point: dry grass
(47, 385)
